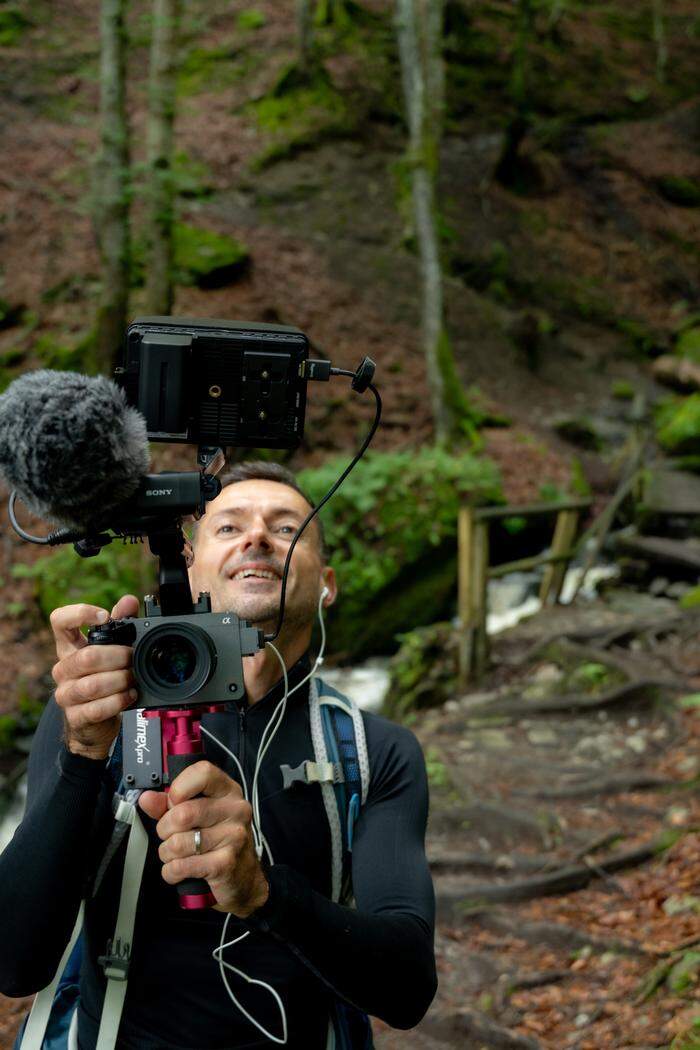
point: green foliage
(78, 357)
(438, 777)
(591, 678)
(642, 339)
(250, 19)
(684, 973)
(690, 1038)
(678, 190)
(423, 673)
(688, 344)
(215, 68)
(691, 599)
(191, 178)
(391, 529)
(514, 525)
(678, 424)
(63, 578)
(13, 23)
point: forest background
(498, 201)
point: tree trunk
(159, 142)
(419, 29)
(305, 34)
(111, 193)
(660, 40)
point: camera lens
(174, 661)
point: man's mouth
(254, 573)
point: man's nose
(257, 535)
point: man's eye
(288, 529)
(225, 529)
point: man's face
(240, 549)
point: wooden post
(564, 535)
(480, 575)
(465, 539)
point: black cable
(53, 538)
(331, 491)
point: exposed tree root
(614, 784)
(563, 880)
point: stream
(511, 599)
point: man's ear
(328, 582)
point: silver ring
(198, 841)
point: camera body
(184, 660)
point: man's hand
(94, 683)
(227, 860)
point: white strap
(116, 965)
(35, 1029)
(327, 793)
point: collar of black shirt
(272, 697)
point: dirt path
(568, 777)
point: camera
(181, 660)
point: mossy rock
(391, 528)
(423, 673)
(64, 578)
(301, 111)
(208, 259)
(579, 431)
(679, 190)
(678, 425)
(200, 257)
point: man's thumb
(154, 803)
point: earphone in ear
(324, 593)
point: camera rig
(212, 383)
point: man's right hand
(94, 683)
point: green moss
(207, 259)
(200, 257)
(688, 344)
(684, 974)
(678, 190)
(678, 424)
(622, 390)
(215, 69)
(13, 23)
(192, 179)
(64, 578)
(297, 115)
(250, 19)
(691, 599)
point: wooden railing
(475, 571)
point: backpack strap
(115, 962)
(338, 736)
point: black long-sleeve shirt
(378, 956)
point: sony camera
(178, 660)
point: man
(377, 957)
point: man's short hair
(264, 470)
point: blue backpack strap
(344, 735)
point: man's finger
(154, 803)
(67, 621)
(128, 605)
(202, 778)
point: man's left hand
(227, 859)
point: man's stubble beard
(263, 611)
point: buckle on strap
(116, 960)
(309, 772)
